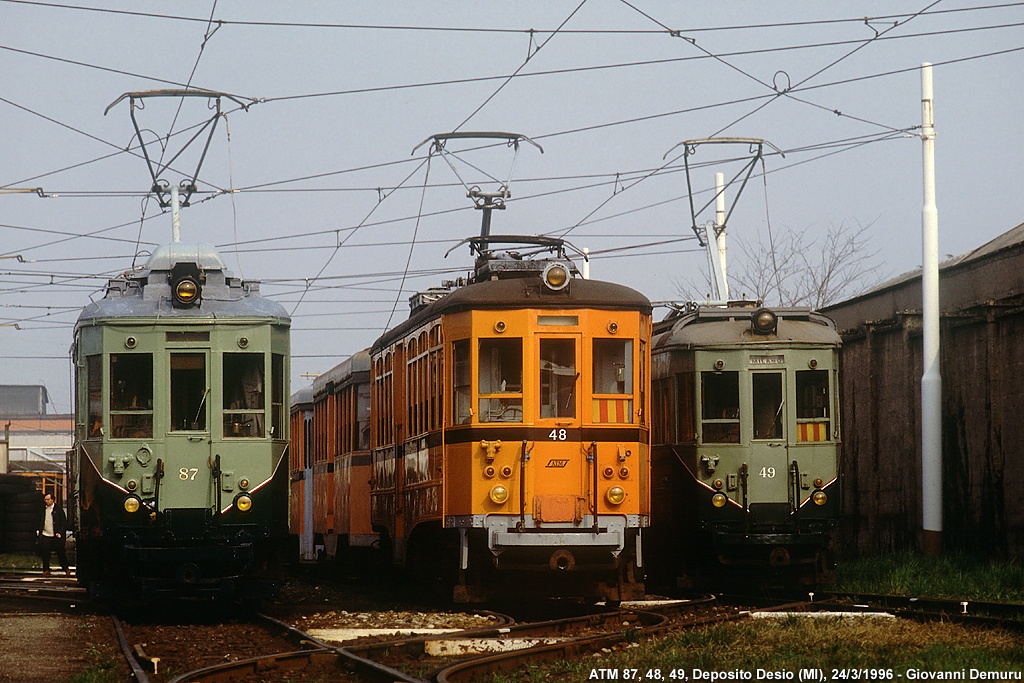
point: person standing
(52, 529)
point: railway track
(301, 643)
(460, 655)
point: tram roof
(145, 293)
(518, 293)
(714, 326)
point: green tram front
(746, 442)
(180, 475)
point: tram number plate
(768, 472)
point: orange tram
(496, 442)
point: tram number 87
(768, 472)
(188, 473)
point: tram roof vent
(421, 300)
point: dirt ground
(51, 646)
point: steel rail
(138, 673)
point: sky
(314, 180)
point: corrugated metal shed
(982, 366)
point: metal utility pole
(720, 232)
(931, 379)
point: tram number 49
(558, 435)
(768, 472)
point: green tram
(745, 445)
(179, 467)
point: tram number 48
(558, 435)
(768, 472)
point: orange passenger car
(510, 435)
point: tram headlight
(499, 494)
(132, 504)
(243, 503)
(556, 276)
(719, 500)
(616, 495)
(764, 321)
(186, 291)
(819, 497)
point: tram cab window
(500, 380)
(558, 378)
(613, 366)
(720, 407)
(768, 405)
(131, 396)
(244, 409)
(812, 405)
(188, 392)
(462, 375)
(94, 380)
(612, 376)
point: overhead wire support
(161, 188)
(690, 148)
(486, 201)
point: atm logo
(557, 463)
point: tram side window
(462, 381)
(685, 414)
(613, 375)
(131, 396)
(812, 405)
(278, 415)
(768, 405)
(188, 392)
(94, 378)
(244, 409)
(363, 417)
(500, 380)
(558, 378)
(720, 401)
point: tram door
(768, 469)
(561, 463)
(187, 483)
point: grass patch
(103, 667)
(953, 576)
(790, 645)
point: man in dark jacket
(52, 528)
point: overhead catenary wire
(589, 222)
(477, 29)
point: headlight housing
(819, 497)
(616, 495)
(243, 502)
(132, 505)
(499, 494)
(556, 276)
(764, 321)
(186, 291)
(719, 500)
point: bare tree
(794, 269)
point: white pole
(586, 263)
(720, 236)
(175, 215)
(931, 380)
